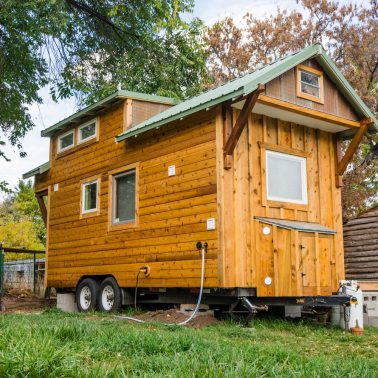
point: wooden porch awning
(296, 225)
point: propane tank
(354, 314)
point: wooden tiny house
(253, 167)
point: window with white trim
(87, 131)
(66, 141)
(124, 197)
(286, 177)
(89, 199)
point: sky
(49, 112)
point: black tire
(109, 295)
(87, 294)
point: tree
(350, 36)
(87, 48)
(21, 223)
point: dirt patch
(15, 302)
(173, 316)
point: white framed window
(89, 200)
(66, 141)
(124, 197)
(286, 177)
(87, 131)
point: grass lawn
(54, 344)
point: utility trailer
(253, 168)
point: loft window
(286, 177)
(310, 83)
(66, 141)
(124, 197)
(89, 196)
(87, 131)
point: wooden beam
(242, 120)
(227, 130)
(337, 153)
(342, 165)
(42, 205)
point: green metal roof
(103, 104)
(36, 171)
(296, 225)
(247, 84)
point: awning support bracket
(232, 134)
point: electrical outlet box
(56, 187)
(171, 170)
(210, 223)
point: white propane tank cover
(356, 315)
(266, 230)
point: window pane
(284, 177)
(66, 141)
(88, 131)
(310, 78)
(309, 89)
(90, 196)
(125, 197)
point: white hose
(203, 252)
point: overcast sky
(48, 113)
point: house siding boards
(284, 88)
(361, 247)
(172, 210)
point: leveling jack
(244, 316)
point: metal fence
(19, 273)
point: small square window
(309, 83)
(124, 197)
(87, 131)
(90, 197)
(66, 141)
(286, 177)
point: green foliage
(55, 344)
(89, 48)
(21, 223)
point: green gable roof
(103, 104)
(247, 84)
(37, 171)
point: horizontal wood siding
(284, 88)
(172, 211)
(361, 246)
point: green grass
(54, 344)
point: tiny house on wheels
(252, 168)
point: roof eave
(37, 171)
(104, 103)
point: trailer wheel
(86, 295)
(109, 296)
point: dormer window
(310, 83)
(66, 141)
(87, 131)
